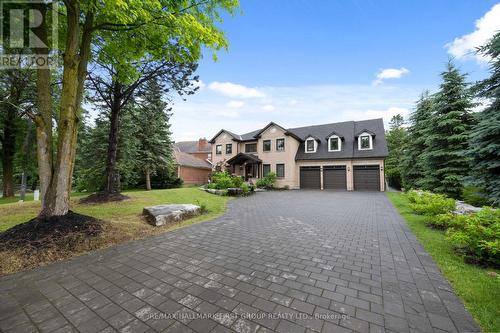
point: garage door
(366, 177)
(334, 177)
(310, 177)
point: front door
(249, 171)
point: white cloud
(235, 90)
(268, 107)
(226, 113)
(464, 47)
(235, 104)
(390, 73)
(388, 113)
(207, 112)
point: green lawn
(126, 223)
(127, 211)
(479, 290)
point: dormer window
(365, 142)
(311, 145)
(334, 143)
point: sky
(305, 62)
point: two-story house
(344, 156)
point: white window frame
(315, 145)
(339, 143)
(217, 146)
(370, 140)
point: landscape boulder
(465, 208)
(167, 214)
(235, 191)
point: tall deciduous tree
(153, 131)
(447, 135)
(485, 136)
(395, 138)
(149, 27)
(412, 163)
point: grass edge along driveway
(479, 290)
(126, 223)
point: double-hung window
(280, 144)
(280, 170)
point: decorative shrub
(221, 181)
(446, 221)
(479, 237)
(426, 203)
(237, 181)
(245, 187)
(267, 181)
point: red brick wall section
(193, 175)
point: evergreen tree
(395, 137)
(91, 154)
(412, 163)
(153, 131)
(485, 136)
(447, 139)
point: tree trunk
(57, 194)
(148, 179)
(8, 150)
(112, 181)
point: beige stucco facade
(286, 157)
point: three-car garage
(336, 177)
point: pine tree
(395, 138)
(446, 161)
(153, 131)
(412, 163)
(485, 136)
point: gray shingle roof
(184, 159)
(191, 147)
(347, 130)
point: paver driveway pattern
(291, 261)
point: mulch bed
(44, 233)
(101, 197)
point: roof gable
(365, 131)
(234, 136)
(259, 133)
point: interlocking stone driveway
(291, 261)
